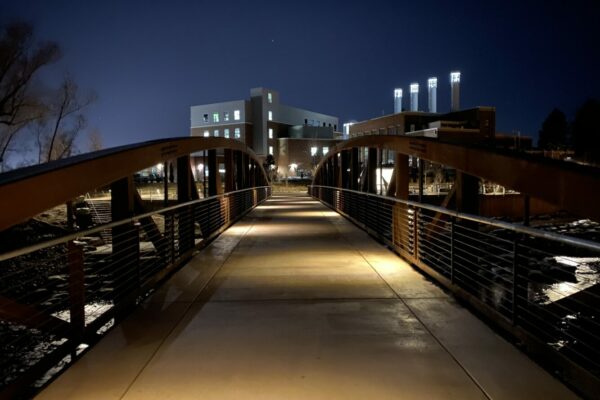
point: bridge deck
(295, 302)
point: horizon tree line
(582, 134)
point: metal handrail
(543, 293)
(587, 244)
(88, 232)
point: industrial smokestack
(432, 90)
(397, 100)
(414, 97)
(455, 88)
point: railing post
(519, 295)
(452, 221)
(76, 290)
(421, 179)
(416, 234)
(380, 169)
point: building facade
(476, 124)
(296, 138)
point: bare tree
(20, 59)
(63, 121)
(95, 141)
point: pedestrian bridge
(207, 285)
(296, 302)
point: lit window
(226, 133)
(270, 97)
(313, 151)
(270, 133)
(270, 115)
(226, 116)
(206, 133)
(236, 115)
(236, 133)
(271, 150)
(216, 132)
(325, 150)
(216, 117)
(205, 118)
(454, 77)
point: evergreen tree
(553, 135)
(586, 131)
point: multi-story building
(295, 137)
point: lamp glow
(454, 77)
(432, 83)
(414, 88)
(397, 93)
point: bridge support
(229, 171)
(345, 165)
(214, 181)
(372, 170)
(125, 246)
(467, 193)
(239, 170)
(184, 194)
(401, 176)
(354, 171)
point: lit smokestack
(455, 88)
(432, 89)
(414, 97)
(397, 100)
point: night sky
(149, 61)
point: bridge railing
(73, 264)
(539, 286)
(59, 296)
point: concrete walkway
(295, 302)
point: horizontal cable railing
(541, 286)
(59, 296)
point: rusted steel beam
(28, 191)
(125, 256)
(229, 171)
(401, 176)
(354, 168)
(372, 170)
(345, 161)
(572, 187)
(185, 216)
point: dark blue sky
(148, 61)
